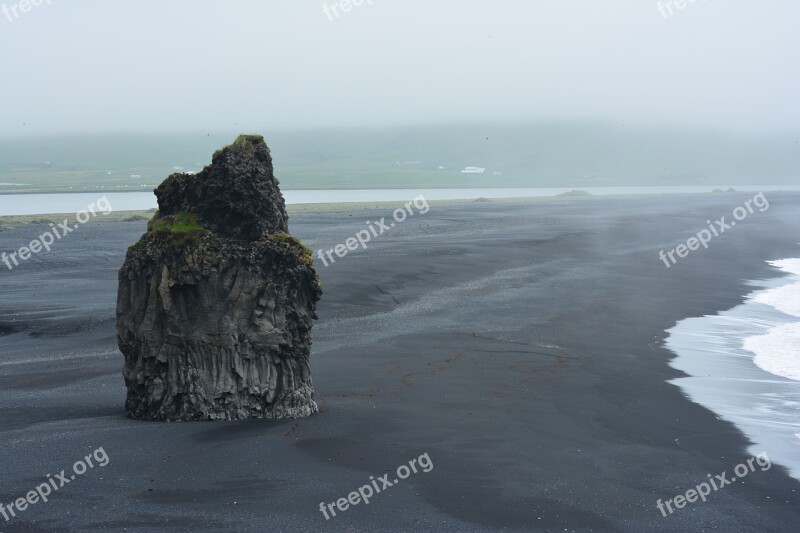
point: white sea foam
(744, 364)
(786, 298)
(778, 351)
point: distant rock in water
(135, 218)
(575, 193)
(216, 301)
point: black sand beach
(518, 344)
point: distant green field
(523, 155)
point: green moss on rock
(249, 142)
(304, 253)
(181, 229)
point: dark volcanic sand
(518, 344)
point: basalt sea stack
(216, 301)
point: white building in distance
(473, 170)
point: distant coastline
(43, 203)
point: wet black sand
(518, 344)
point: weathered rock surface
(216, 301)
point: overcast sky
(74, 66)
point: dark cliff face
(216, 301)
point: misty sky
(152, 66)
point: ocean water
(744, 365)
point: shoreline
(711, 351)
(8, 221)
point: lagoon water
(744, 364)
(37, 204)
